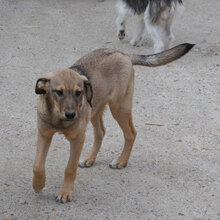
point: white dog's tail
(162, 58)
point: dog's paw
(134, 43)
(64, 196)
(121, 34)
(38, 182)
(159, 48)
(87, 163)
(116, 164)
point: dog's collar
(79, 70)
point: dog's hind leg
(169, 37)
(156, 32)
(169, 14)
(124, 119)
(139, 32)
(154, 29)
(123, 115)
(43, 144)
(99, 132)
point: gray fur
(138, 6)
(156, 7)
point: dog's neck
(79, 69)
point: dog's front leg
(123, 14)
(43, 144)
(66, 192)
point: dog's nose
(70, 114)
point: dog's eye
(78, 93)
(59, 92)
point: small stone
(181, 214)
(22, 201)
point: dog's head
(66, 91)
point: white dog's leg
(123, 13)
(174, 11)
(167, 17)
(168, 37)
(157, 36)
(139, 32)
(155, 31)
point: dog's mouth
(68, 119)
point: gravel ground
(174, 169)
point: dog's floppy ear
(88, 91)
(42, 86)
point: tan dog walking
(70, 98)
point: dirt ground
(174, 169)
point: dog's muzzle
(70, 115)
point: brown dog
(71, 97)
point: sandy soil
(174, 169)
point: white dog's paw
(121, 34)
(134, 42)
(158, 48)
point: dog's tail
(162, 58)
